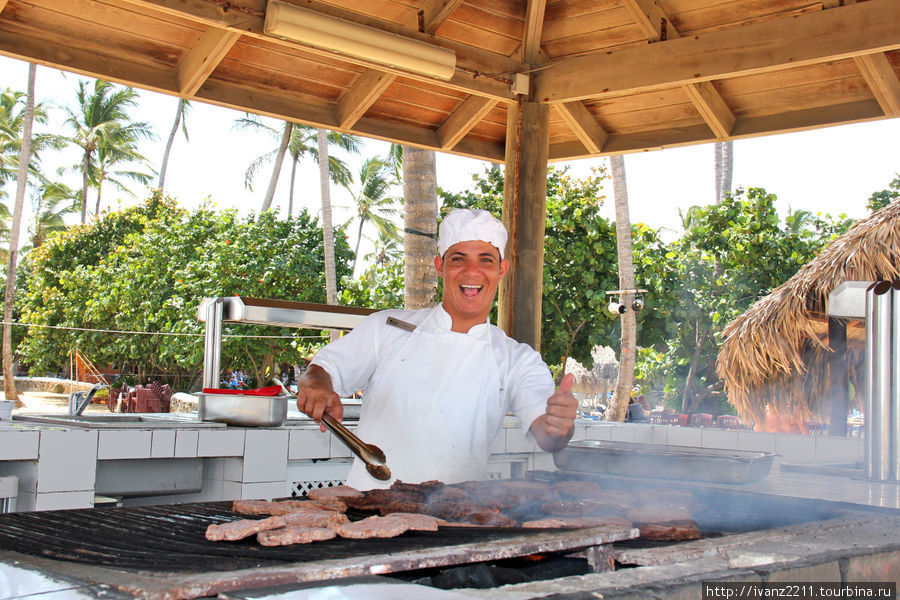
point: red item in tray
(272, 390)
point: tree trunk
(327, 226)
(689, 400)
(717, 170)
(419, 217)
(625, 382)
(97, 206)
(723, 164)
(276, 169)
(290, 207)
(169, 142)
(9, 382)
(85, 183)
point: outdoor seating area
(669, 416)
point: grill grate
(172, 538)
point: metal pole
(212, 343)
(878, 423)
(894, 404)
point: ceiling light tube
(310, 28)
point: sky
(832, 170)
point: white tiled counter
(60, 467)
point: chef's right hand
(316, 396)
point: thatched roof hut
(777, 351)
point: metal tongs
(370, 454)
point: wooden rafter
(202, 60)
(708, 102)
(435, 12)
(357, 100)
(462, 121)
(3, 4)
(806, 39)
(881, 78)
(584, 125)
(534, 22)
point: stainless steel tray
(666, 462)
(242, 409)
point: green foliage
(148, 268)
(731, 254)
(381, 286)
(879, 200)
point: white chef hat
(468, 224)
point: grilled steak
(283, 507)
(238, 530)
(337, 491)
(659, 513)
(315, 518)
(373, 527)
(403, 507)
(373, 500)
(294, 534)
(449, 494)
(417, 522)
(673, 531)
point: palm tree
(12, 121)
(181, 116)
(723, 162)
(619, 405)
(9, 382)
(102, 120)
(298, 141)
(372, 202)
(420, 211)
(51, 202)
(119, 148)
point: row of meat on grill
(659, 514)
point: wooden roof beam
(534, 27)
(704, 96)
(358, 99)
(583, 125)
(462, 121)
(3, 4)
(435, 12)
(203, 59)
(879, 74)
(804, 39)
(250, 22)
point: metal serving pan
(243, 409)
(661, 461)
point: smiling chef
(438, 381)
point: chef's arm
(316, 395)
(553, 430)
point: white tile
(754, 441)
(543, 461)
(67, 461)
(272, 489)
(27, 472)
(163, 443)
(221, 443)
(598, 432)
(63, 500)
(186, 443)
(230, 490)
(214, 468)
(125, 443)
(265, 455)
(659, 434)
(580, 431)
(622, 433)
(795, 447)
(19, 445)
(25, 501)
(233, 469)
(718, 438)
(835, 449)
(643, 433)
(684, 436)
(516, 441)
(311, 443)
(213, 491)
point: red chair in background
(701, 420)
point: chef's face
(471, 272)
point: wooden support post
(837, 377)
(524, 214)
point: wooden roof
(620, 75)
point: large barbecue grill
(161, 552)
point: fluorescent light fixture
(310, 28)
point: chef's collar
(440, 321)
